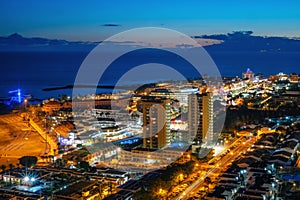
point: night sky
(96, 20)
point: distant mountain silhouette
(18, 42)
(17, 39)
(235, 41)
(245, 41)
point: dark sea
(34, 70)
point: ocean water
(34, 70)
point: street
(218, 167)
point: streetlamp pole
(25, 104)
(46, 146)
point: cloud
(111, 25)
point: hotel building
(200, 118)
(156, 122)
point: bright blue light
(19, 95)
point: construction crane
(18, 97)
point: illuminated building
(178, 93)
(51, 107)
(156, 122)
(282, 76)
(162, 92)
(294, 78)
(248, 74)
(273, 78)
(200, 117)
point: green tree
(84, 165)
(51, 157)
(11, 166)
(3, 167)
(28, 161)
(207, 180)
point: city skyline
(140, 100)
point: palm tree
(51, 157)
(43, 158)
(11, 166)
(47, 158)
(78, 160)
(110, 187)
(100, 184)
(3, 167)
(207, 180)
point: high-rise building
(200, 117)
(156, 122)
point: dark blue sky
(85, 20)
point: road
(236, 141)
(216, 170)
(51, 142)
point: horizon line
(192, 36)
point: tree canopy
(28, 161)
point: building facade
(248, 74)
(156, 122)
(200, 117)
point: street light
(25, 103)
(160, 191)
(26, 178)
(180, 177)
